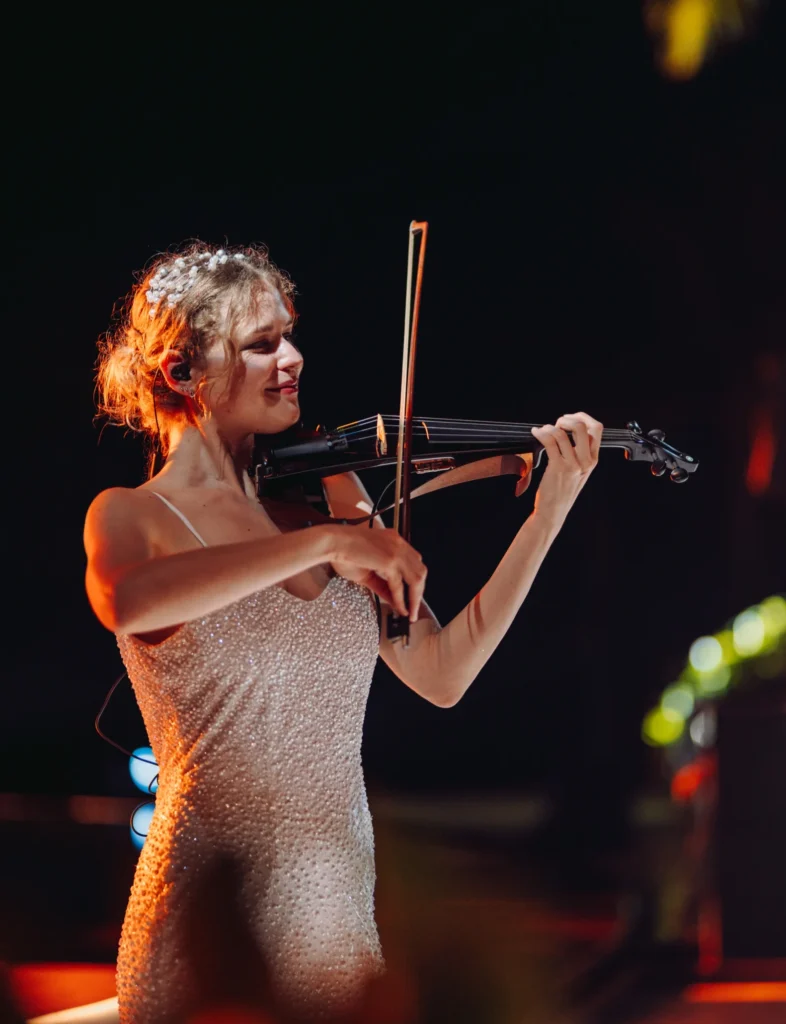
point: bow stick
(398, 625)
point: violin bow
(398, 625)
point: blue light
(140, 824)
(144, 772)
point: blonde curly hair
(131, 389)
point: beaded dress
(256, 881)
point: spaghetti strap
(180, 516)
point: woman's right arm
(134, 588)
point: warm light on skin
(266, 357)
(235, 400)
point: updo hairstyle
(183, 301)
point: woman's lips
(289, 389)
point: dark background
(600, 238)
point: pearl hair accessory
(172, 281)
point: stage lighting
(144, 770)
(679, 698)
(140, 824)
(748, 631)
(710, 684)
(662, 727)
(703, 728)
(773, 615)
(706, 654)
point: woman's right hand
(382, 561)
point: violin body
(448, 451)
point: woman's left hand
(569, 464)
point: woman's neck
(200, 457)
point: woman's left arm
(440, 664)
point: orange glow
(687, 781)
(758, 475)
(47, 988)
(737, 992)
(710, 937)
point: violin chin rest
(525, 477)
(509, 464)
(482, 469)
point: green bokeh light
(749, 633)
(679, 698)
(662, 727)
(706, 654)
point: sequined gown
(256, 880)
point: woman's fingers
(594, 432)
(417, 584)
(581, 440)
(380, 587)
(389, 566)
(586, 434)
(556, 442)
(396, 583)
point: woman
(251, 648)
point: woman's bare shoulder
(120, 508)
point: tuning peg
(679, 476)
(634, 426)
(658, 468)
(657, 434)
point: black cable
(128, 753)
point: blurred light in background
(706, 654)
(679, 698)
(140, 824)
(144, 769)
(685, 30)
(773, 615)
(704, 727)
(753, 646)
(710, 684)
(748, 631)
(662, 726)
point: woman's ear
(176, 371)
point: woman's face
(261, 394)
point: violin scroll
(651, 447)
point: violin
(447, 446)
(448, 451)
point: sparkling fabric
(256, 880)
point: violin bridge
(382, 437)
(433, 465)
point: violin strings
(439, 422)
(491, 443)
(459, 435)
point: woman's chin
(280, 421)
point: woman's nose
(290, 356)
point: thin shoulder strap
(180, 516)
